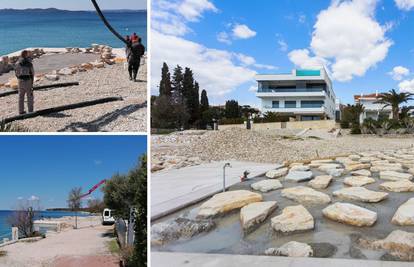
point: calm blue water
(5, 228)
(20, 30)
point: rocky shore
(105, 76)
(188, 148)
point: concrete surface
(161, 259)
(175, 189)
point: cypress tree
(204, 105)
(165, 83)
(177, 85)
(232, 109)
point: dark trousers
(133, 68)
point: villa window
(290, 104)
(311, 104)
(275, 104)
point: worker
(25, 75)
(134, 54)
(134, 37)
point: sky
(366, 45)
(74, 4)
(48, 167)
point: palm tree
(357, 110)
(394, 100)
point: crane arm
(93, 189)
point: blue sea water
(56, 28)
(5, 228)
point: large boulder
(162, 233)
(306, 195)
(358, 180)
(399, 243)
(291, 249)
(360, 194)
(404, 214)
(293, 218)
(273, 174)
(299, 176)
(227, 201)
(395, 176)
(320, 182)
(398, 186)
(350, 214)
(267, 185)
(255, 213)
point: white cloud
(407, 86)
(216, 70)
(242, 31)
(266, 67)
(33, 198)
(223, 37)
(405, 4)
(192, 9)
(253, 88)
(301, 58)
(282, 45)
(250, 61)
(302, 18)
(399, 72)
(350, 49)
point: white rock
(361, 173)
(319, 162)
(52, 77)
(299, 176)
(357, 166)
(267, 185)
(358, 180)
(398, 186)
(66, 71)
(354, 157)
(350, 214)
(360, 194)
(397, 241)
(404, 214)
(306, 195)
(395, 176)
(330, 166)
(293, 218)
(255, 213)
(273, 174)
(291, 249)
(227, 201)
(300, 168)
(380, 168)
(335, 172)
(320, 182)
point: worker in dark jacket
(134, 54)
(25, 75)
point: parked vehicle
(107, 218)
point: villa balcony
(290, 92)
(298, 110)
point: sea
(5, 227)
(21, 29)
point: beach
(87, 244)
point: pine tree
(165, 83)
(177, 85)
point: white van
(107, 217)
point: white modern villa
(372, 109)
(303, 95)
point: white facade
(303, 94)
(371, 109)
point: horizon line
(70, 10)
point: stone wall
(322, 124)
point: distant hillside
(55, 10)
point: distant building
(372, 110)
(303, 94)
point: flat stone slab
(398, 186)
(360, 194)
(267, 185)
(335, 172)
(273, 174)
(357, 166)
(319, 162)
(358, 180)
(388, 167)
(291, 249)
(361, 173)
(350, 214)
(306, 195)
(227, 201)
(293, 218)
(300, 168)
(255, 213)
(404, 214)
(395, 176)
(320, 182)
(299, 176)
(399, 242)
(329, 166)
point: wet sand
(228, 237)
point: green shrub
(355, 129)
(344, 124)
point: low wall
(322, 124)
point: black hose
(98, 10)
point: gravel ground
(86, 241)
(129, 115)
(169, 151)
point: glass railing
(289, 90)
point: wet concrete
(228, 237)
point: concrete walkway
(161, 259)
(175, 189)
